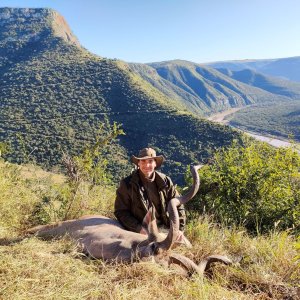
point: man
(144, 188)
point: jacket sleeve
(123, 209)
(181, 210)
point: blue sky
(194, 30)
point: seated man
(144, 188)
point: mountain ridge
(271, 84)
(205, 89)
(284, 68)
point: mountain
(202, 89)
(54, 94)
(271, 84)
(285, 68)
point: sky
(195, 30)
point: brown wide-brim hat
(147, 153)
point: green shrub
(256, 186)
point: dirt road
(220, 117)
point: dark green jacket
(131, 205)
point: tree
(92, 162)
(256, 186)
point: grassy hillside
(54, 94)
(264, 266)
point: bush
(256, 186)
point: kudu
(104, 238)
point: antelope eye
(153, 247)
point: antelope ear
(183, 241)
(147, 219)
(150, 225)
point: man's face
(147, 166)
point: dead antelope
(104, 238)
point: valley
(227, 116)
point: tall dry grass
(264, 266)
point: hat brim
(159, 159)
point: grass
(51, 270)
(264, 265)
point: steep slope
(213, 89)
(54, 94)
(189, 100)
(285, 68)
(268, 83)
